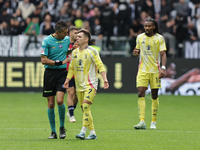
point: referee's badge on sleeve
(42, 50)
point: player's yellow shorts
(86, 95)
(143, 79)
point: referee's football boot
(91, 137)
(53, 135)
(140, 125)
(62, 133)
(80, 136)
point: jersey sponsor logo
(47, 91)
(60, 46)
(148, 47)
(85, 56)
(143, 42)
(79, 62)
(75, 56)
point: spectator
(14, 5)
(25, 23)
(4, 29)
(86, 25)
(78, 19)
(134, 9)
(7, 5)
(15, 27)
(26, 8)
(50, 7)
(107, 22)
(17, 15)
(96, 29)
(180, 33)
(135, 29)
(47, 26)
(166, 27)
(182, 9)
(4, 16)
(63, 15)
(192, 32)
(37, 13)
(32, 30)
(195, 15)
(38, 3)
(123, 18)
(148, 7)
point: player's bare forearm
(67, 60)
(46, 61)
(106, 84)
(163, 57)
(136, 52)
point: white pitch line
(165, 131)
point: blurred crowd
(178, 20)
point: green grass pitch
(24, 124)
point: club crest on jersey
(148, 47)
(85, 56)
(79, 62)
(60, 46)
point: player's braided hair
(156, 30)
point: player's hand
(75, 46)
(161, 73)
(136, 52)
(67, 60)
(66, 84)
(106, 84)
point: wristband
(163, 67)
(58, 62)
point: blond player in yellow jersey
(86, 61)
(149, 47)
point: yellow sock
(141, 108)
(154, 108)
(87, 117)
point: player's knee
(141, 94)
(59, 102)
(70, 92)
(51, 105)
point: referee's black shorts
(53, 81)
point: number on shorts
(90, 91)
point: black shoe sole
(80, 138)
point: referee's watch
(163, 67)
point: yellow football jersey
(150, 47)
(83, 67)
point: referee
(53, 57)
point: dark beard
(148, 34)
